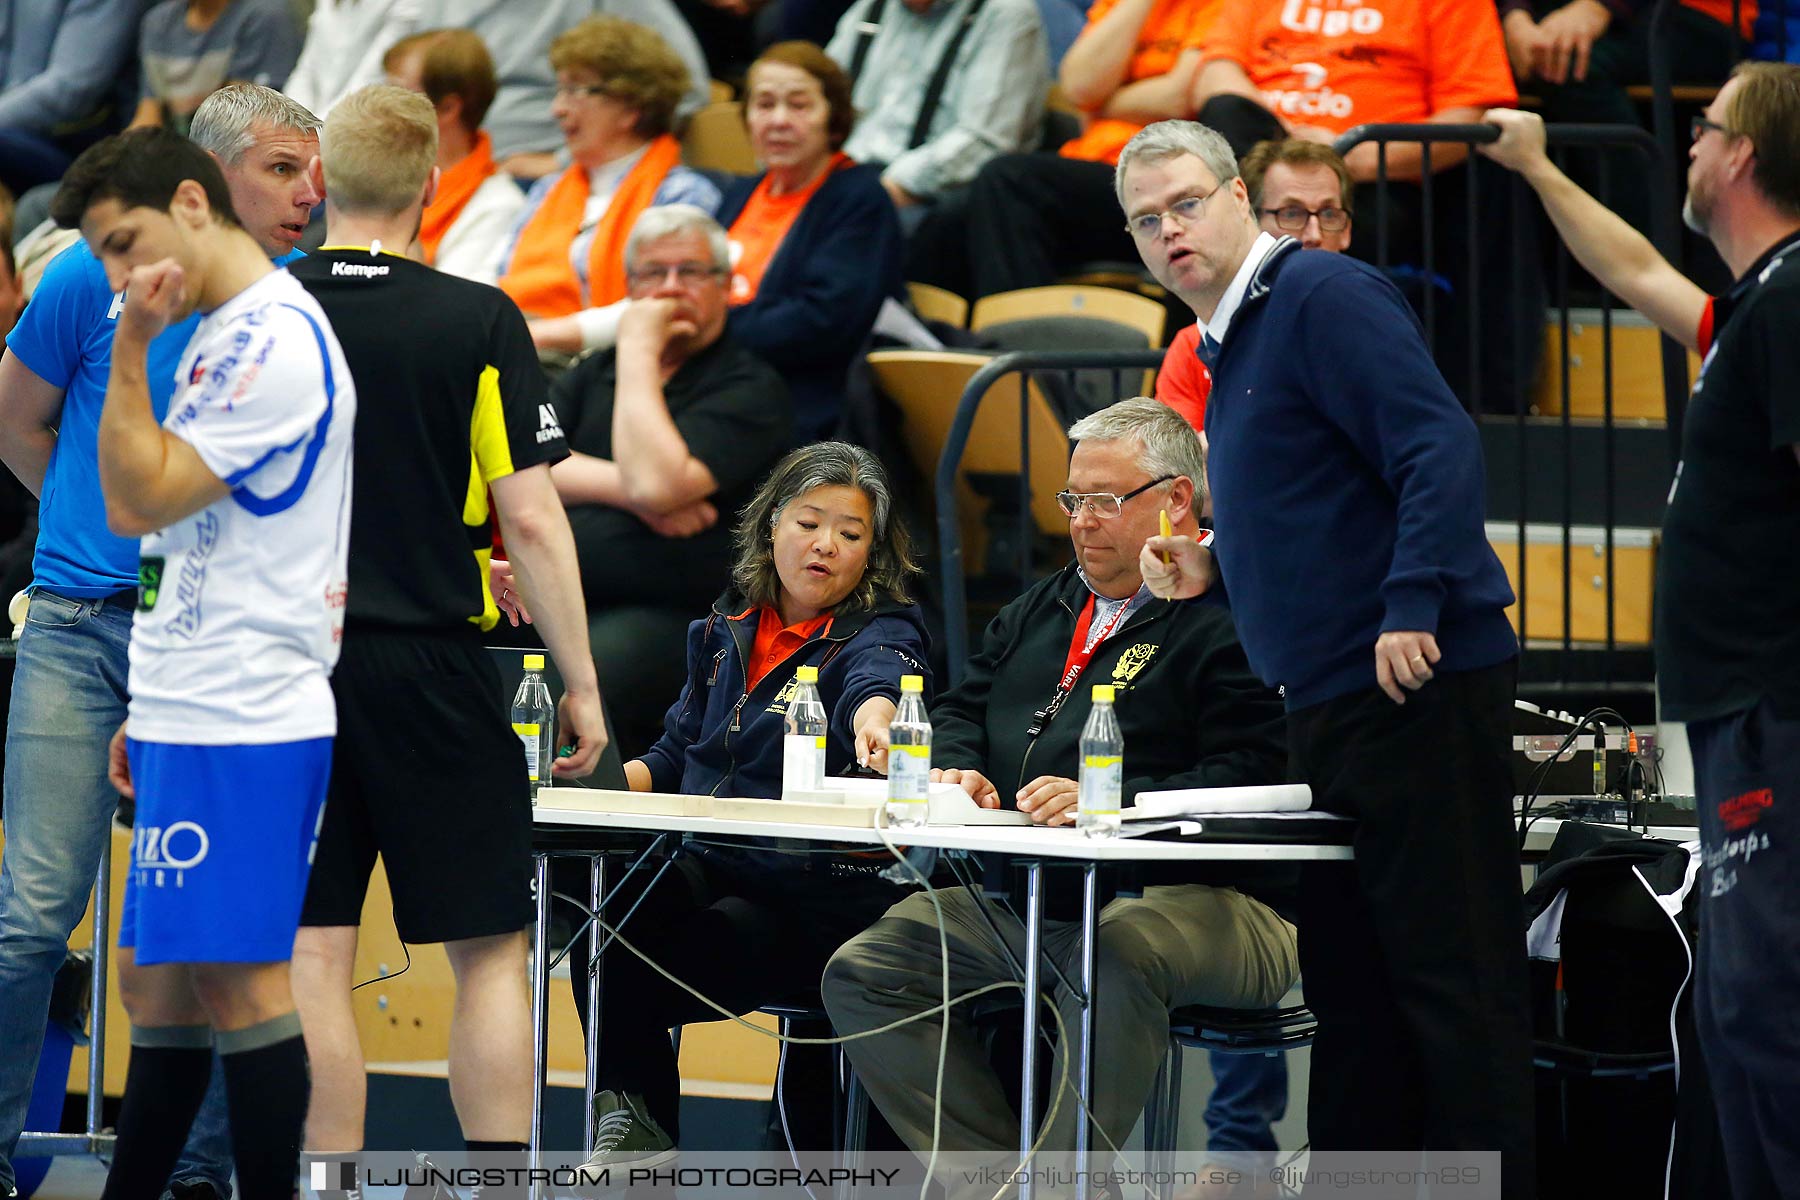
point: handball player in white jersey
(241, 497)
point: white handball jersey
(241, 605)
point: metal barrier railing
(1121, 363)
(1559, 470)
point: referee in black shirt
(428, 773)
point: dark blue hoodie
(1347, 483)
(720, 740)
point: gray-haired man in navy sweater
(1348, 492)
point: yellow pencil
(1167, 531)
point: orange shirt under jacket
(774, 642)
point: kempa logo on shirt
(161, 851)
(549, 428)
(361, 270)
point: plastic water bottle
(534, 720)
(909, 757)
(803, 747)
(1102, 768)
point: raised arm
(1620, 257)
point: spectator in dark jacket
(815, 241)
(822, 578)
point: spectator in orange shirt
(1320, 67)
(1298, 189)
(1314, 69)
(467, 222)
(1030, 216)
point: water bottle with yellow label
(1102, 768)
(803, 746)
(534, 720)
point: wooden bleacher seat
(939, 304)
(716, 140)
(1636, 367)
(927, 385)
(1065, 300)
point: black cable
(397, 974)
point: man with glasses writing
(1348, 495)
(1296, 187)
(1009, 733)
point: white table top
(1036, 842)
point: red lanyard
(1081, 652)
(1081, 648)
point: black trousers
(1035, 217)
(1414, 954)
(741, 937)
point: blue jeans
(1250, 1094)
(68, 697)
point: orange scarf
(456, 187)
(540, 278)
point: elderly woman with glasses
(823, 578)
(617, 87)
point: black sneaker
(625, 1135)
(193, 1189)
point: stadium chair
(926, 386)
(937, 304)
(1100, 304)
(716, 140)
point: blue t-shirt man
(65, 337)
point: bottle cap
(807, 674)
(534, 662)
(912, 683)
(1103, 692)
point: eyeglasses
(690, 274)
(1293, 218)
(1189, 209)
(579, 89)
(1104, 505)
(1699, 125)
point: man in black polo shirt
(698, 421)
(428, 772)
(1728, 578)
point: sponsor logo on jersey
(162, 855)
(150, 573)
(186, 623)
(1330, 20)
(359, 270)
(549, 428)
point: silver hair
(1171, 139)
(831, 464)
(665, 220)
(1167, 444)
(226, 121)
(889, 571)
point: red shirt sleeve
(1468, 62)
(1184, 382)
(1704, 337)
